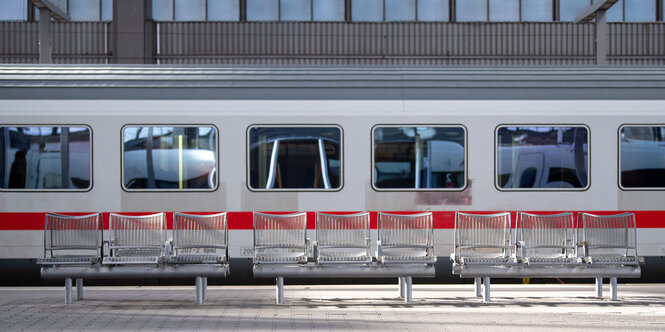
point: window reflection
(295, 157)
(419, 157)
(45, 157)
(169, 157)
(642, 157)
(542, 157)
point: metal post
(280, 290)
(408, 298)
(205, 289)
(486, 286)
(402, 291)
(613, 288)
(477, 284)
(199, 290)
(599, 287)
(68, 290)
(602, 37)
(45, 36)
(79, 289)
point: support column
(205, 289)
(402, 291)
(68, 290)
(602, 37)
(486, 286)
(45, 36)
(280, 290)
(477, 284)
(408, 296)
(131, 35)
(613, 289)
(599, 287)
(79, 289)
(199, 290)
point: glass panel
(13, 10)
(537, 11)
(419, 157)
(504, 10)
(328, 10)
(471, 10)
(84, 10)
(642, 157)
(433, 10)
(295, 10)
(107, 10)
(169, 157)
(367, 10)
(571, 8)
(640, 10)
(542, 157)
(162, 10)
(223, 10)
(190, 10)
(62, 4)
(291, 157)
(45, 158)
(400, 10)
(262, 10)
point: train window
(45, 158)
(169, 158)
(295, 158)
(642, 157)
(419, 157)
(542, 157)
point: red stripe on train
(243, 220)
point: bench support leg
(280, 290)
(199, 290)
(477, 285)
(486, 286)
(68, 290)
(205, 289)
(599, 287)
(402, 291)
(408, 290)
(613, 289)
(79, 289)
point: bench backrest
(336, 234)
(546, 235)
(609, 235)
(482, 235)
(195, 232)
(406, 235)
(280, 235)
(73, 233)
(137, 235)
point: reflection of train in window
(294, 157)
(169, 157)
(43, 158)
(542, 157)
(642, 157)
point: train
(143, 139)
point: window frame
(393, 125)
(291, 125)
(91, 159)
(153, 190)
(496, 157)
(619, 157)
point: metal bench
(546, 239)
(610, 241)
(404, 240)
(136, 240)
(199, 239)
(342, 239)
(72, 241)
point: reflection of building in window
(45, 158)
(169, 157)
(419, 157)
(295, 157)
(542, 157)
(642, 157)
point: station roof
(335, 83)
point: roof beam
(59, 14)
(589, 13)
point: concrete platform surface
(335, 308)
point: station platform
(534, 307)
